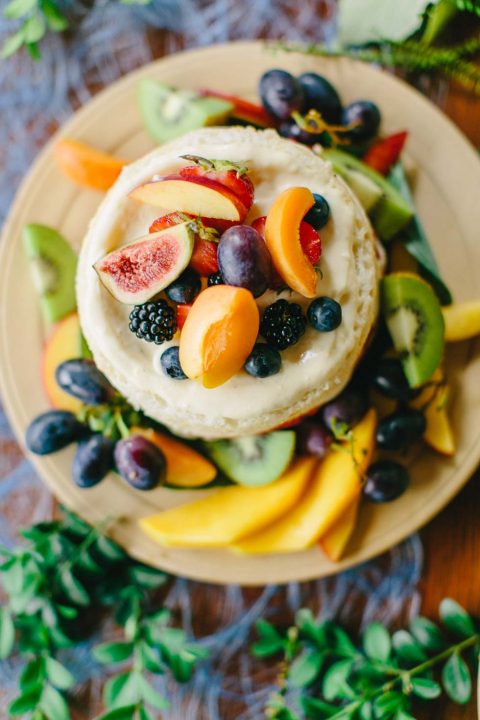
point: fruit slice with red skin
(196, 196)
(137, 272)
(309, 238)
(204, 257)
(282, 235)
(243, 109)
(168, 220)
(86, 166)
(382, 155)
(63, 344)
(182, 312)
(232, 175)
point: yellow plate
(446, 193)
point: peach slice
(86, 166)
(197, 197)
(462, 320)
(218, 335)
(282, 235)
(63, 344)
(335, 541)
(434, 398)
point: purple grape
(280, 93)
(345, 410)
(321, 95)
(52, 431)
(244, 260)
(401, 429)
(313, 439)
(140, 462)
(365, 117)
(386, 481)
(92, 461)
(82, 379)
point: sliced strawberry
(309, 238)
(169, 220)
(230, 175)
(204, 257)
(182, 312)
(243, 109)
(383, 154)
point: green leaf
(17, 8)
(53, 704)
(7, 633)
(121, 690)
(74, 589)
(270, 641)
(456, 680)
(387, 704)
(341, 641)
(86, 563)
(109, 549)
(402, 715)
(307, 625)
(150, 658)
(305, 669)
(59, 638)
(127, 712)
(147, 577)
(427, 634)
(58, 674)
(112, 652)
(24, 703)
(456, 619)
(151, 696)
(366, 711)
(335, 685)
(425, 689)
(144, 714)
(12, 44)
(376, 642)
(34, 29)
(364, 21)
(13, 579)
(69, 613)
(317, 709)
(407, 649)
(32, 675)
(56, 20)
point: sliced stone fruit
(169, 112)
(253, 460)
(433, 401)
(65, 343)
(219, 333)
(53, 264)
(139, 271)
(462, 321)
(414, 319)
(230, 513)
(87, 166)
(335, 541)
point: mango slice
(63, 344)
(335, 541)
(231, 513)
(282, 235)
(86, 166)
(185, 467)
(462, 320)
(434, 398)
(336, 484)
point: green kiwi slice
(53, 265)
(254, 460)
(415, 322)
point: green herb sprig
(335, 679)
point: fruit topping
(433, 400)
(52, 431)
(219, 334)
(385, 481)
(324, 314)
(168, 112)
(53, 265)
(139, 271)
(153, 322)
(93, 460)
(309, 240)
(283, 324)
(320, 95)
(185, 288)
(344, 411)
(263, 361)
(232, 175)
(255, 460)
(182, 312)
(389, 379)
(401, 429)
(319, 214)
(293, 130)
(85, 165)
(204, 257)
(169, 220)
(215, 279)
(280, 93)
(63, 344)
(82, 379)
(243, 110)
(384, 153)
(140, 462)
(415, 322)
(335, 541)
(364, 117)
(244, 260)
(313, 439)
(462, 320)
(282, 235)
(170, 362)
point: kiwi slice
(53, 265)
(415, 322)
(254, 460)
(168, 112)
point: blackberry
(283, 324)
(153, 321)
(215, 279)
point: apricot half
(86, 166)
(219, 334)
(282, 235)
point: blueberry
(140, 462)
(313, 439)
(321, 95)
(386, 480)
(170, 362)
(82, 379)
(344, 411)
(401, 429)
(52, 431)
(263, 361)
(185, 288)
(92, 461)
(365, 115)
(280, 93)
(319, 214)
(290, 130)
(389, 379)
(215, 279)
(324, 314)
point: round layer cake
(313, 370)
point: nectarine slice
(433, 400)
(218, 335)
(282, 235)
(63, 344)
(86, 166)
(335, 541)
(462, 320)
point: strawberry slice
(169, 220)
(182, 312)
(383, 154)
(243, 109)
(204, 257)
(309, 238)
(230, 175)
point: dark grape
(321, 95)
(263, 361)
(52, 431)
(290, 130)
(140, 462)
(390, 380)
(313, 439)
(170, 362)
(92, 461)
(244, 259)
(324, 314)
(280, 93)
(319, 214)
(345, 410)
(401, 429)
(185, 288)
(215, 279)
(386, 480)
(82, 379)
(365, 115)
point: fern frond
(472, 6)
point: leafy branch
(337, 680)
